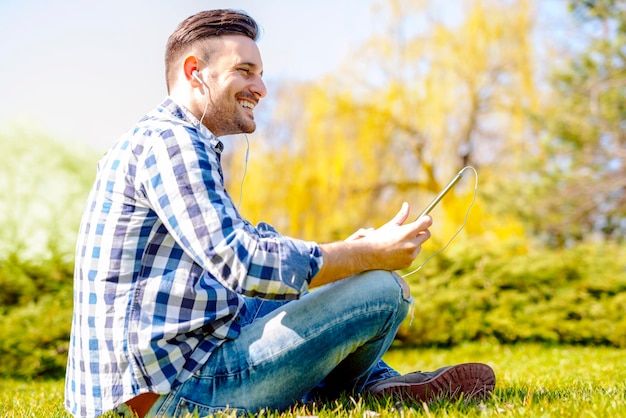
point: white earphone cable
(245, 171)
(469, 167)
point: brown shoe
(469, 380)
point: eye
(244, 70)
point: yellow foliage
(360, 145)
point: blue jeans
(327, 342)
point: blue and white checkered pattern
(162, 260)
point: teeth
(247, 104)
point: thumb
(402, 215)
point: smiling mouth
(246, 104)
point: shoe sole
(467, 381)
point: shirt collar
(183, 113)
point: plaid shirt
(162, 260)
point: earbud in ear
(195, 75)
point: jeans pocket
(187, 408)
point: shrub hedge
(571, 296)
(36, 317)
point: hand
(395, 245)
(391, 247)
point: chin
(248, 128)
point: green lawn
(533, 381)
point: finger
(423, 236)
(423, 223)
(402, 215)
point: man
(181, 305)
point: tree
(582, 190)
(405, 113)
(44, 186)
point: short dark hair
(203, 25)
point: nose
(258, 88)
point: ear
(189, 66)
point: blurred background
(371, 103)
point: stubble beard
(228, 120)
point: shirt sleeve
(184, 185)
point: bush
(35, 325)
(45, 185)
(572, 296)
(34, 339)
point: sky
(82, 71)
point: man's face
(233, 85)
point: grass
(31, 399)
(533, 381)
